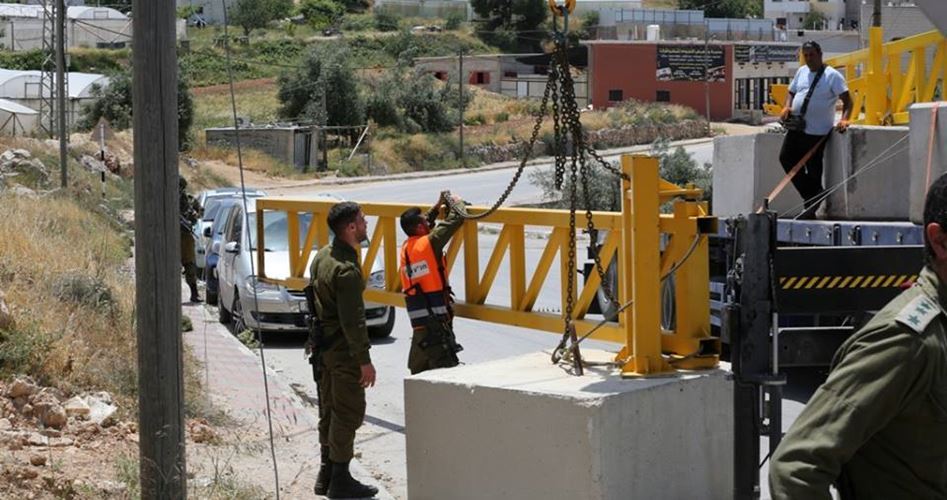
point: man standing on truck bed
(808, 116)
(877, 428)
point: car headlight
(377, 279)
(255, 285)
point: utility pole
(157, 252)
(876, 14)
(325, 133)
(460, 103)
(61, 85)
(707, 75)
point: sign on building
(765, 53)
(691, 63)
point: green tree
(414, 101)
(321, 13)
(326, 74)
(724, 8)
(254, 14)
(511, 22)
(589, 27)
(604, 187)
(114, 103)
(814, 21)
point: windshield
(221, 220)
(211, 210)
(276, 230)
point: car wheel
(223, 314)
(239, 323)
(382, 331)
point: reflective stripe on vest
(422, 284)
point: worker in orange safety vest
(425, 284)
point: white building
(21, 27)
(209, 11)
(25, 88)
(792, 14)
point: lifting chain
(572, 151)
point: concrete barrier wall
(746, 169)
(871, 166)
(872, 171)
(523, 428)
(921, 116)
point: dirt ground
(83, 459)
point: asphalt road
(479, 188)
(381, 442)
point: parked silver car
(209, 201)
(275, 308)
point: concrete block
(881, 191)
(746, 169)
(523, 428)
(921, 117)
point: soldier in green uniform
(425, 284)
(190, 212)
(347, 369)
(877, 428)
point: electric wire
(877, 160)
(247, 231)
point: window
(509, 74)
(441, 75)
(663, 96)
(615, 95)
(479, 78)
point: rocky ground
(54, 446)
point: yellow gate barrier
(886, 78)
(632, 235)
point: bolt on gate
(633, 237)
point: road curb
(342, 181)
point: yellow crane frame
(886, 78)
(632, 235)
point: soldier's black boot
(325, 474)
(343, 485)
(195, 297)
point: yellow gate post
(877, 93)
(640, 264)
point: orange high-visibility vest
(422, 280)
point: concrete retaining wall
(920, 136)
(881, 191)
(523, 428)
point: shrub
(321, 13)
(84, 290)
(454, 21)
(385, 21)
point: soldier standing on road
(347, 368)
(425, 285)
(190, 212)
(877, 428)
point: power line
(246, 215)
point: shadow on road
(294, 340)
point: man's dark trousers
(808, 181)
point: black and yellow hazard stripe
(845, 281)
